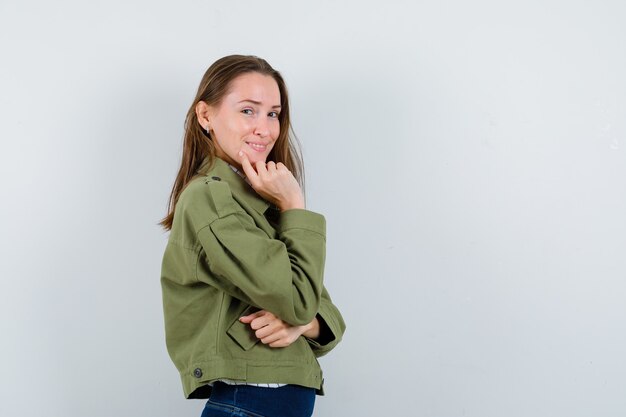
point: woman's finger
(274, 337)
(261, 170)
(265, 331)
(260, 322)
(250, 317)
(247, 168)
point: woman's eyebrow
(258, 103)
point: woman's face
(246, 119)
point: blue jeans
(249, 401)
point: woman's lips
(259, 147)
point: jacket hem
(200, 374)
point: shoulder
(204, 200)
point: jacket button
(216, 178)
(197, 372)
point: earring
(207, 129)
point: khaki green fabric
(230, 253)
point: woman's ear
(203, 113)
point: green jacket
(230, 253)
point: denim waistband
(287, 401)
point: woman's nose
(262, 128)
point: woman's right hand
(273, 331)
(274, 182)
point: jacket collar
(240, 189)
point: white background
(470, 158)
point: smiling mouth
(259, 147)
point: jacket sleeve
(283, 275)
(332, 326)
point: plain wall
(469, 157)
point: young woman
(246, 311)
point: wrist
(312, 330)
(293, 204)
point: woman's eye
(247, 111)
(273, 114)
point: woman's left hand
(273, 331)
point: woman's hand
(274, 332)
(274, 182)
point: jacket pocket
(241, 332)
